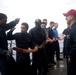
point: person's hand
(36, 48)
(63, 37)
(8, 53)
(69, 60)
(48, 40)
(17, 20)
(41, 46)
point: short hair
(52, 22)
(25, 24)
(43, 23)
(44, 19)
(2, 16)
(38, 21)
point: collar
(73, 25)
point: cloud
(29, 10)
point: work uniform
(39, 61)
(49, 47)
(23, 59)
(7, 63)
(71, 48)
(66, 32)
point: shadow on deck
(59, 69)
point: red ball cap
(70, 12)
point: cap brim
(65, 14)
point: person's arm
(11, 36)
(25, 50)
(12, 24)
(64, 34)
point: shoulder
(31, 29)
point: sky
(29, 10)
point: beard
(68, 22)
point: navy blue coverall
(7, 63)
(23, 40)
(39, 61)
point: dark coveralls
(7, 63)
(23, 59)
(49, 47)
(39, 61)
(66, 32)
(71, 48)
